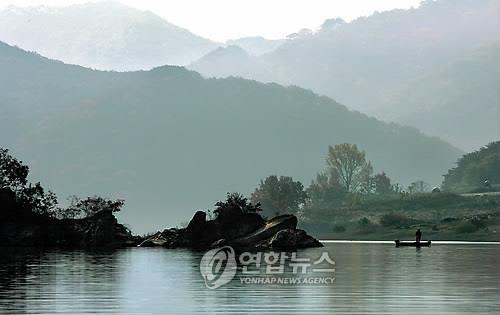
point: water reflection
(370, 279)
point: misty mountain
(169, 141)
(465, 102)
(257, 45)
(234, 59)
(367, 63)
(103, 35)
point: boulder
(200, 233)
(267, 231)
(233, 223)
(169, 238)
(279, 233)
(292, 239)
(99, 230)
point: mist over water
(370, 278)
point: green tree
(326, 190)
(348, 163)
(38, 200)
(279, 195)
(365, 179)
(383, 184)
(89, 206)
(13, 176)
(13, 173)
(235, 202)
(473, 169)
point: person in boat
(418, 236)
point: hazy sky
(225, 19)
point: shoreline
(433, 242)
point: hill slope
(364, 63)
(169, 141)
(459, 101)
(473, 169)
(104, 35)
(256, 46)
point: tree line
(348, 175)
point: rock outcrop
(243, 231)
(20, 226)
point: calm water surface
(369, 279)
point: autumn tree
(348, 162)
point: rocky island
(236, 223)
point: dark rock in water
(197, 222)
(101, 229)
(243, 231)
(236, 223)
(266, 232)
(219, 243)
(291, 239)
(169, 238)
(200, 233)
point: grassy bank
(439, 216)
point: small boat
(413, 244)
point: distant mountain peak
(102, 35)
(228, 50)
(256, 45)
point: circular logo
(218, 266)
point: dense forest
(478, 171)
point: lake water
(370, 278)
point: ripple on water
(370, 278)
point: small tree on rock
(80, 208)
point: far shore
(392, 242)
